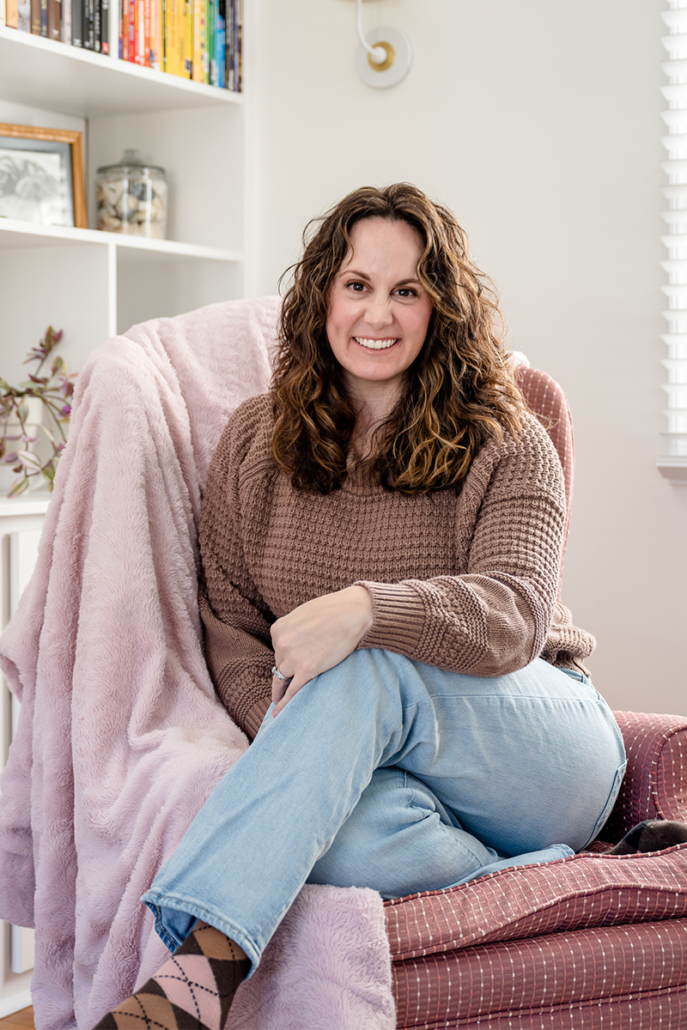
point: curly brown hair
(458, 393)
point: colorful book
(44, 18)
(105, 26)
(221, 42)
(212, 32)
(97, 11)
(11, 14)
(146, 34)
(188, 39)
(36, 17)
(239, 46)
(197, 60)
(155, 37)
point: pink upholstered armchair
(122, 738)
(592, 941)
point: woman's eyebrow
(362, 275)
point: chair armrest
(655, 784)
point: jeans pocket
(608, 807)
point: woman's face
(378, 311)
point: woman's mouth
(369, 344)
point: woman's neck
(373, 409)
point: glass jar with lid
(132, 197)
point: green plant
(55, 391)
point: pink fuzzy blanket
(121, 737)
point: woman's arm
(495, 618)
(235, 620)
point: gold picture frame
(42, 175)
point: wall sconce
(384, 55)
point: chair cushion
(655, 784)
(612, 977)
(583, 891)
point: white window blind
(673, 464)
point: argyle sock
(192, 991)
(651, 835)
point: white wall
(538, 122)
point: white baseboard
(15, 1003)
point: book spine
(180, 41)
(139, 33)
(231, 48)
(44, 18)
(204, 39)
(197, 64)
(36, 17)
(54, 19)
(188, 39)
(24, 15)
(66, 11)
(131, 32)
(77, 22)
(167, 35)
(88, 22)
(97, 13)
(154, 36)
(120, 32)
(212, 39)
(105, 26)
(172, 48)
(160, 35)
(146, 34)
(239, 45)
(221, 42)
(11, 14)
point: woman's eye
(357, 287)
(406, 291)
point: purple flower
(66, 410)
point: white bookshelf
(93, 284)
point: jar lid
(131, 161)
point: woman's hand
(316, 636)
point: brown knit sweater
(463, 581)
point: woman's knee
(398, 840)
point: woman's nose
(379, 312)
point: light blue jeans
(391, 774)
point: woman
(381, 540)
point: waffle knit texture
(465, 580)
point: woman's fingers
(292, 688)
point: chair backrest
(546, 399)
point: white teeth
(374, 344)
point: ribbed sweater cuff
(399, 617)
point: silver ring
(278, 674)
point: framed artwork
(42, 176)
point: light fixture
(384, 55)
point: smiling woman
(380, 539)
(378, 319)
(389, 266)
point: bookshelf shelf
(89, 85)
(132, 248)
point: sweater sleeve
(494, 618)
(236, 622)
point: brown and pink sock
(192, 991)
